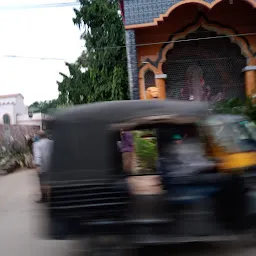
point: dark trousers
(41, 177)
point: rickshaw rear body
(231, 140)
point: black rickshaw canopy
(85, 138)
(118, 111)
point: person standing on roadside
(36, 138)
(127, 150)
(42, 153)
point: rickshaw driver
(177, 139)
(168, 158)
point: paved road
(21, 220)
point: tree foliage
(100, 73)
(236, 106)
(44, 106)
(146, 150)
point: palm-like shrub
(236, 106)
(146, 150)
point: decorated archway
(208, 27)
(206, 70)
(198, 42)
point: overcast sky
(39, 32)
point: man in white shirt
(42, 152)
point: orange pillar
(142, 88)
(250, 80)
(160, 84)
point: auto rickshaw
(205, 194)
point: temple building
(191, 49)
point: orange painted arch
(182, 2)
(142, 71)
(147, 67)
(245, 51)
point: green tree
(75, 88)
(100, 73)
(146, 150)
(236, 106)
(44, 106)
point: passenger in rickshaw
(126, 148)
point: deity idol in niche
(152, 92)
(195, 88)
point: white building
(13, 111)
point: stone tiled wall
(144, 11)
(132, 64)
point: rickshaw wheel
(107, 246)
